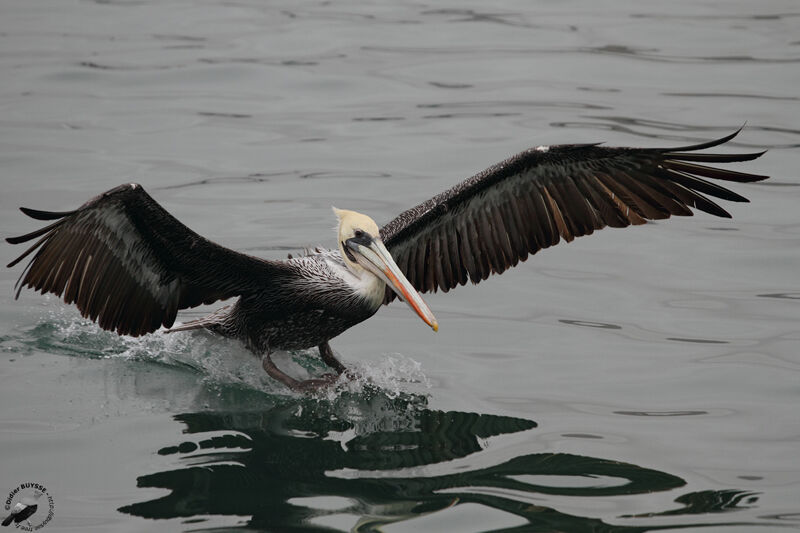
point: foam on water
(393, 376)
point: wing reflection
(378, 461)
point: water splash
(394, 376)
(217, 361)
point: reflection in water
(301, 463)
(710, 501)
(365, 459)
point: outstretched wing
(493, 220)
(130, 265)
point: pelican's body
(129, 265)
(318, 302)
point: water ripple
(661, 413)
(636, 126)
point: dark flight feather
(130, 265)
(536, 198)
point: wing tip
(717, 142)
(708, 144)
(45, 215)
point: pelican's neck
(364, 283)
(372, 289)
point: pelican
(130, 266)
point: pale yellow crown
(349, 223)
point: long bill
(377, 259)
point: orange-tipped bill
(377, 259)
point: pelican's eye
(360, 238)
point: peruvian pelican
(130, 266)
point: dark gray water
(633, 380)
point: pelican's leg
(327, 355)
(302, 386)
(276, 373)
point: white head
(364, 254)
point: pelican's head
(363, 252)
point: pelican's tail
(218, 322)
